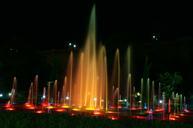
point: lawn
(26, 119)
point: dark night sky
(35, 24)
(51, 25)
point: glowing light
(10, 109)
(9, 94)
(138, 94)
(74, 45)
(39, 112)
(44, 104)
(29, 106)
(50, 107)
(8, 105)
(125, 100)
(171, 118)
(65, 106)
(186, 110)
(43, 97)
(90, 108)
(160, 101)
(110, 112)
(60, 110)
(95, 99)
(113, 118)
(120, 100)
(119, 106)
(1, 95)
(159, 110)
(70, 44)
(72, 114)
(97, 113)
(67, 97)
(153, 36)
(181, 114)
(76, 109)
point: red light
(39, 111)
(44, 104)
(9, 109)
(29, 106)
(97, 113)
(59, 110)
(139, 117)
(8, 105)
(114, 118)
(119, 106)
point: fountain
(86, 83)
(9, 105)
(86, 87)
(29, 104)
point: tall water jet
(29, 104)
(128, 60)
(116, 75)
(35, 93)
(141, 96)
(71, 67)
(69, 75)
(129, 90)
(64, 92)
(13, 91)
(163, 104)
(55, 93)
(9, 105)
(81, 78)
(159, 93)
(106, 84)
(147, 95)
(102, 78)
(153, 95)
(128, 69)
(44, 103)
(90, 73)
(48, 94)
(133, 98)
(30, 94)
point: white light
(125, 100)
(138, 94)
(67, 97)
(95, 99)
(153, 36)
(74, 45)
(120, 100)
(43, 96)
(160, 101)
(139, 101)
(1, 95)
(70, 44)
(9, 94)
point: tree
(170, 82)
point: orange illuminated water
(87, 82)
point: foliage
(170, 82)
